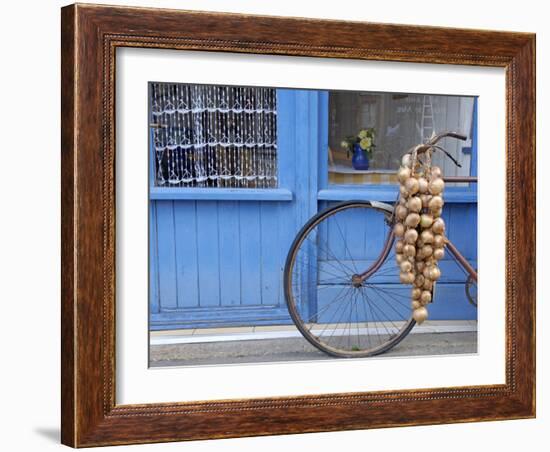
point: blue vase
(360, 159)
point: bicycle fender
(382, 206)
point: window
(213, 136)
(400, 121)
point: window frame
(281, 193)
(389, 192)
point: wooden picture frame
(90, 37)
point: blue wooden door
(217, 255)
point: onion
(403, 174)
(415, 305)
(426, 220)
(425, 200)
(435, 273)
(414, 204)
(419, 281)
(406, 160)
(439, 253)
(426, 272)
(439, 241)
(399, 246)
(406, 266)
(436, 186)
(420, 265)
(426, 296)
(436, 213)
(403, 191)
(415, 293)
(422, 185)
(428, 284)
(412, 220)
(406, 278)
(399, 229)
(411, 184)
(410, 236)
(427, 237)
(420, 314)
(399, 258)
(427, 250)
(401, 212)
(438, 227)
(409, 250)
(435, 172)
(436, 202)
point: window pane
(399, 121)
(214, 136)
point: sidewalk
(276, 344)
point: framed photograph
(280, 225)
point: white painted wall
(30, 245)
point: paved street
(298, 349)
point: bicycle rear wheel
(342, 283)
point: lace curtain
(214, 136)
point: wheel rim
(331, 305)
(471, 290)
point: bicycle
(346, 298)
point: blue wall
(217, 255)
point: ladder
(427, 123)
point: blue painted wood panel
(186, 251)
(166, 264)
(250, 258)
(208, 257)
(218, 194)
(271, 253)
(154, 296)
(221, 253)
(229, 253)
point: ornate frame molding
(90, 36)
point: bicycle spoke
(333, 255)
(316, 267)
(357, 325)
(378, 289)
(336, 299)
(365, 299)
(333, 316)
(338, 323)
(354, 318)
(346, 245)
(367, 322)
(382, 322)
(390, 305)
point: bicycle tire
(305, 326)
(469, 289)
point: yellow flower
(363, 134)
(365, 143)
(344, 144)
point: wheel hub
(356, 281)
